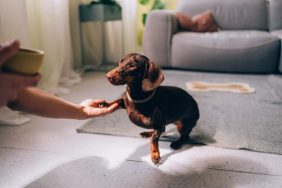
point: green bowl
(26, 62)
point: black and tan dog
(150, 105)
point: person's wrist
(82, 112)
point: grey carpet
(229, 120)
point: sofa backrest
(230, 14)
(275, 14)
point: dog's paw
(155, 156)
(155, 159)
(146, 134)
(176, 144)
(103, 105)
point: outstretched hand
(98, 107)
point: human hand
(10, 84)
(98, 107)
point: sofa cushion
(230, 14)
(203, 22)
(184, 21)
(228, 51)
(275, 14)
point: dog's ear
(153, 78)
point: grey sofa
(249, 40)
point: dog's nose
(108, 75)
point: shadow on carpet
(118, 124)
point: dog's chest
(140, 115)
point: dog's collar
(142, 100)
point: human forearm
(36, 101)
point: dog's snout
(111, 79)
(116, 76)
(108, 75)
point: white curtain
(13, 25)
(45, 25)
(88, 32)
(53, 26)
(13, 22)
(49, 30)
(120, 36)
(129, 19)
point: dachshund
(150, 105)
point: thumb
(8, 50)
(91, 102)
(113, 107)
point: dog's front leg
(155, 153)
(119, 101)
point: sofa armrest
(278, 33)
(159, 28)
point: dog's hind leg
(184, 127)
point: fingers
(91, 111)
(11, 84)
(93, 108)
(7, 96)
(115, 101)
(100, 103)
(86, 102)
(7, 51)
(37, 76)
(106, 110)
(18, 81)
(91, 102)
(112, 108)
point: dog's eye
(131, 67)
